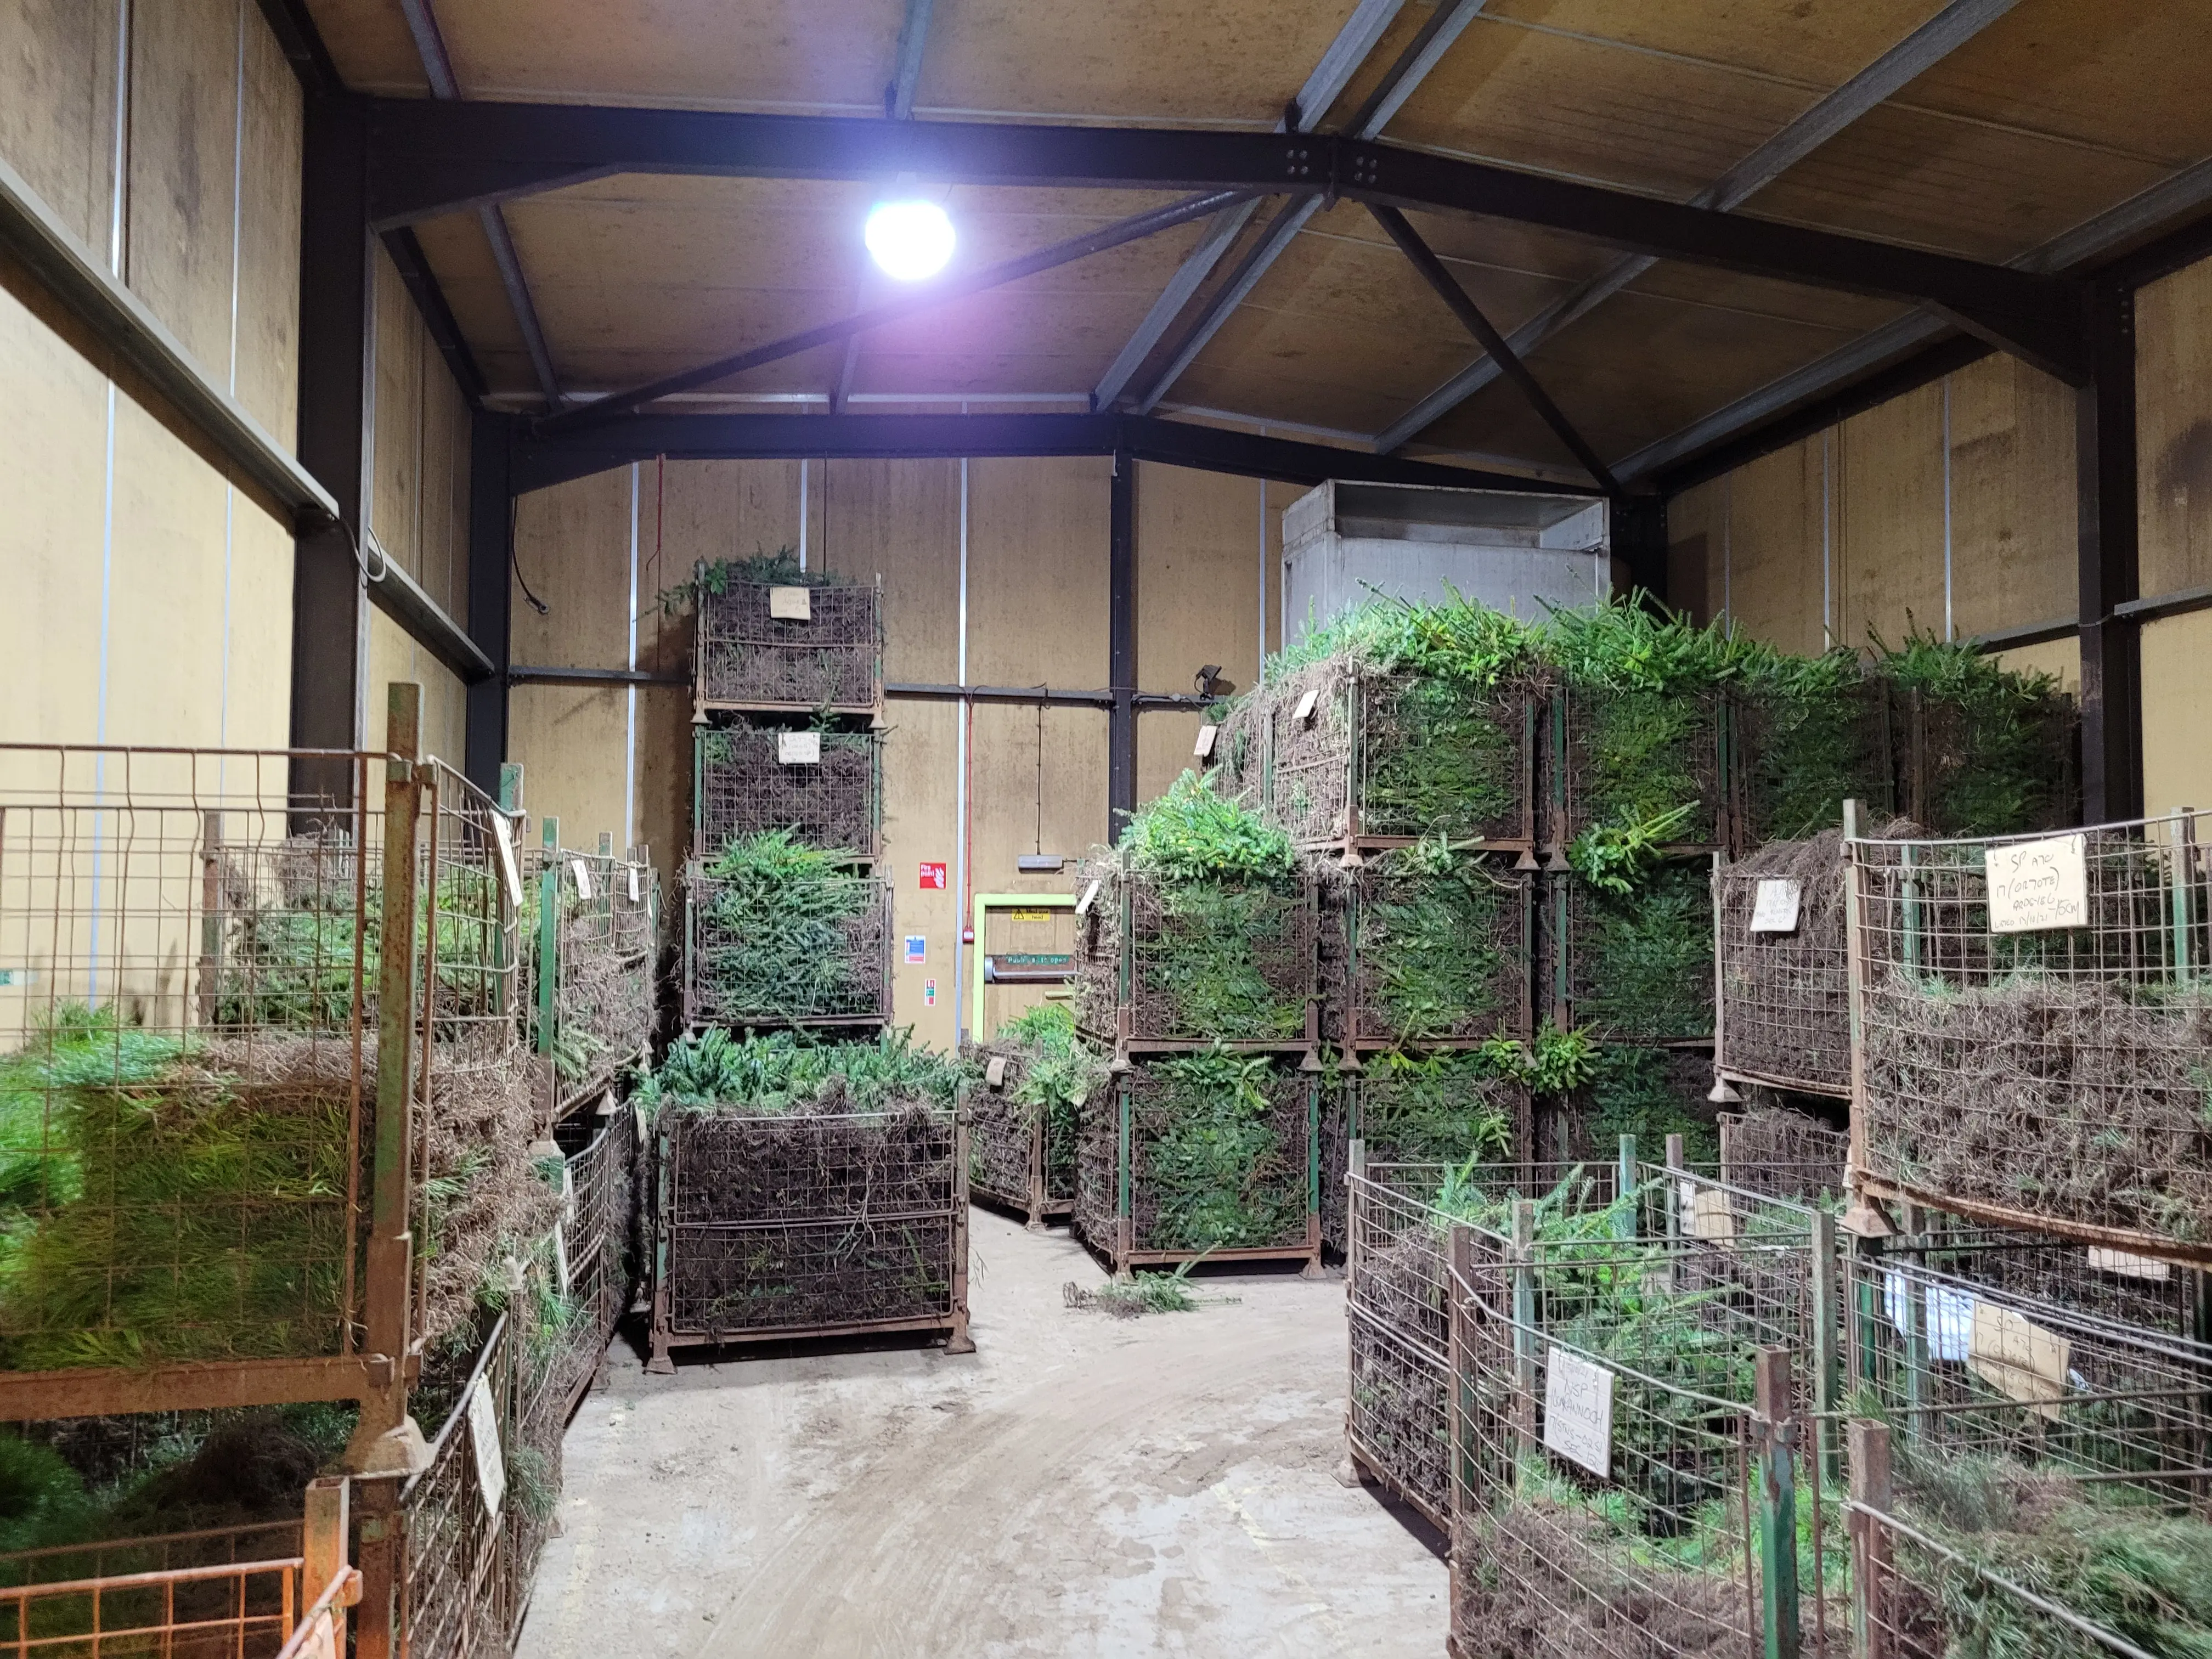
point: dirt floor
(1081, 1486)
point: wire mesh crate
(194, 952)
(1442, 1107)
(1424, 947)
(1637, 1422)
(1784, 1153)
(1215, 1154)
(1807, 744)
(815, 646)
(746, 966)
(1622, 757)
(773, 1226)
(599, 1235)
(452, 1588)
(1397, 1421)
(245, 1607)
(1634, 966)
(1785, 990)
(823, 786)
(1163, 964)
(1021, 1151)
(1996, 759)
(2052, 1078)
(596, 918)
(1360, 757)
(2025, 1477)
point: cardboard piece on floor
(2020, 1358)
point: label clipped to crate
(2020, 1359)
(484, 1437)
(1305, 711)
(799, 748)
(502, 838)
(1204, 747)
(994, 1074)
(583, 878)
(1578, 1411)
(634, 897)
(1090, 898)
(790, 604)
(1707, 1214)
(1775, 910)
(561, 1257)
(2035, 885)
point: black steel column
(328, 597)
(1639, 541)
(491, 519)
(1122, 646)
(2104, 478)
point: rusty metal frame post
(663, 1249)
(324, 1541)
(958, 1341)
(1775, 1430)
(1869, 1541)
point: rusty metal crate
(1387, 976)
(744, 658)
(596, 918)
(1126, 1211)
(1784, 1015)
(1616, 752)
(771, 1226)
(1635, 968)
(853, 988)
(742, 785)
(1019, 1158)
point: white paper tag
(1775, 909)
(1204, 746)
(1090, 898)
(583, 878)
(561, 1257)
(994, 1074)
(2128, 1265)
(1578, 1411)
(790, 604)
(503, 838)
(633, 898)
(483, 1437)
(2034, 885)
(799, 748)
(1305, 711)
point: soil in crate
(1424, 944)
(746, 788)
(1219, 1154)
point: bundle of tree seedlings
(770, 634)
(781, 932)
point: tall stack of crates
(787, 738)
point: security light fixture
(910, 241)
(1205, 678)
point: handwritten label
(1090, 898)
(1578, 1411)
(1775, 911)
(503, 838)
(791, 604)
(634, 895)
(1204, 746)
(2035, 885)
(483, 1437)
(995, 1074)
(2019, 1357)
(1305, 711)
(799, 748)
(2128, 1265)
(583, 878)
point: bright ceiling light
(910, 241)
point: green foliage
(1191, 834)
(1997, 737)
(1809, 750)
(783, 1072)
(779, 919)
(1148, 1294)
(1432, 1110)
(1459, 640)
(1644, 962)
(1431, 941)
(1555, 1063)
(1209, 957)
(779, 569)
(1615, 857)
(1219, 1173)
(1630, 1095)
(1629, 645)
(1438, 759)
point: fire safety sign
(917, 948)
(932, 877)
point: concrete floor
(1081, 1487)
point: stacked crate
(786, 732)
(591, 955)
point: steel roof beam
(1927, 46)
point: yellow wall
(1036, 615)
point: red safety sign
(932, 877)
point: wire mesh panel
(779, 1225)
(1630, 1472)
(830, 966)
(453, 1584)
(1391, 754)
(596, 919)
(243, 1609)
(1994, 758)
(1627, 757)
(823, 786)
(1635, 967)
(599, 1237)
(1396, 1290)
(1783, 1153)
(1020, 1154)
(2140, 1292)
(760, 646)
(1422, 945)
(2052, 1075)
(2030, 1474)
(1215, 1154)
(1442, 1108)
(1786, 977)
(1194, 961)
(1808, 742)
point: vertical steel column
(2107, 544)
(329, 597)
(491, 510)
(1122, 646)
(1776, 1431)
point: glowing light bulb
(911, 240)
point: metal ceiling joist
(1485, 332)
(431, 157)
(1130, 229)
(438, 68)
(1927, 46)
(540, 460)
(905, 72)
(1358, 36)
(1422, 53)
